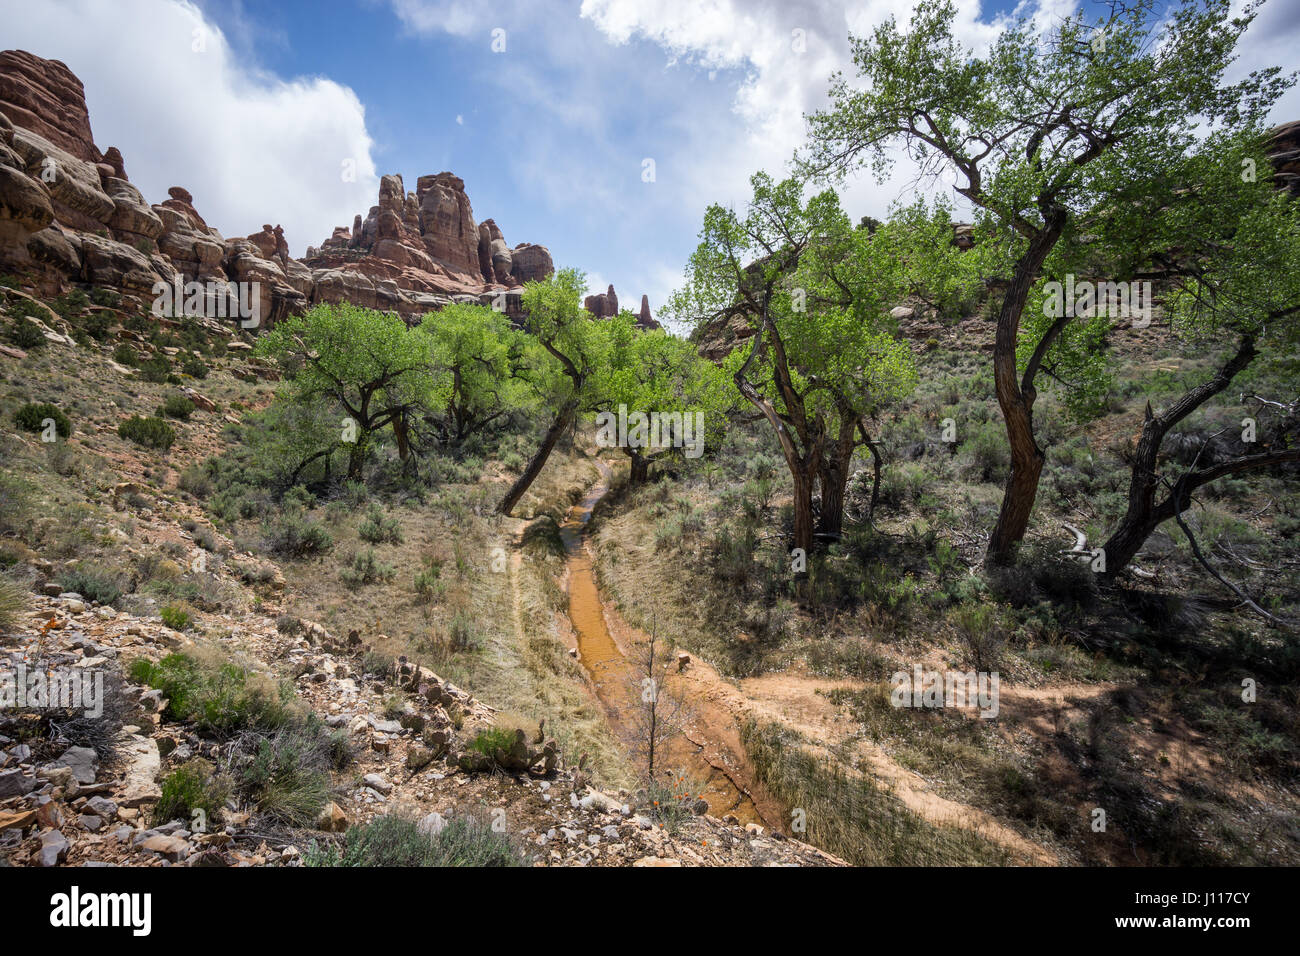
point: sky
(600, 129)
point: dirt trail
(793, 698)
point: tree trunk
(1141, 518)
(803, 517)
(1016, 400)
(834, 476)
(401, 433)
(640, 467)
(357, 457)
(520, 487)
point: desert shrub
(428, 586)
(74, 301)
(26, 334)
(196, 480)
(288, 775)
(491, 739)
(299, 497)
(194, 367)
(377, 529)
(295, 536)
(366, 568)
(395, 840)
(220, 697)
(374, 662)
(177, 618)
(93, 583)
(125, 355)
(176, 406)
(149, 432)
(980, 630)
(32, 417)
(194, 785)
(155, 369)
(105, 297)
(462, 632)
(989, 454)
(13, 601)
(671, 799)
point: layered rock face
(605, 305)
(416, 251)
(68, 212)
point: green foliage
(26, 334)
(194, 367)
(194, 785)
(366, 568)
(149, 432)
(126, 355)
(94, 583)
(295, 536)
(13, 601)
(288, 775)
(491, 739)
(176, 406)
(392, 841)
(223, 698)
(378, 529)
(32, 416)
(478, 358)
(155, 369)
(177, 618)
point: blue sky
(255, 105)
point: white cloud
(252, 148)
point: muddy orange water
(709, 750)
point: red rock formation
(603, 305)
(69, 212)
(1284, 154)
(645, 320)
(45, 97)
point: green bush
(27, 334)
(462, 632)
(394, 840)
(178, 619)
(192, 786)
(990, 456)
(31, 418)
(194, 367)
(13, 601)
(295, 536)
(288, 776)
(428, 587)
(105, 297)
(366, 568)
(491, 739)
(155, 369)
(222, 698)
(93, 583)
(176, 406)
(377, 529)
(125, 355)
(149, 432)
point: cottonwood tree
(1045, 131)
(823, 353)
(369, 363)
(654, 371)
(577, 344)
(480, 370)
(1229, 247)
